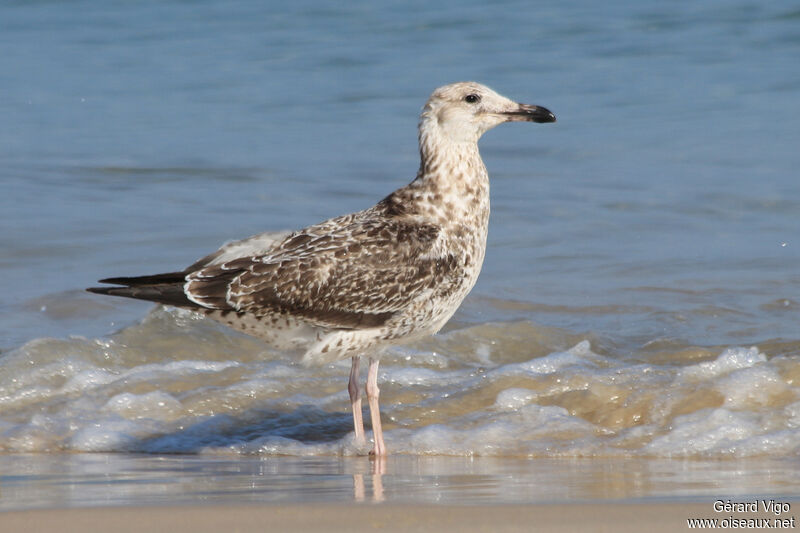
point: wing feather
(352, 272)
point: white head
(462, 112)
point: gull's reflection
(377, 469)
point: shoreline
(563, 518)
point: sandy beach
(619, 517)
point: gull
(355, 284)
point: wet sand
(621, 517)
(55, 481)
(175, 494)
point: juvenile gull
(357, 283)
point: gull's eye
(472, 99)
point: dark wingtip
(153, 279)
(99, 290)
(113, 281)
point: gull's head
(464, 111)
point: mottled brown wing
(260, 244)
(355, 277)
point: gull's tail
(160, 288)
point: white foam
(408, 377)
(109, 396)
(792, 413)
(253, 388)
(156, 405)
(578, 355)
(173, 368)
(753, 386)
(729, 360)
(785, 443)
(89, 379)
(419, 358)
(112, 434)
(513, 399)
(483, 352)
(704, 432)
(530, 430)
(275, 445)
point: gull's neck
(452, 185)
(437, 150)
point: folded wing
(357, 276)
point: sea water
(641, 290)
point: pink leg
(355, 401)
(373, 393)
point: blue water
(139, 136)
(643, 270)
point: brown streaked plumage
(359, 282)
